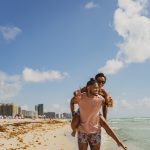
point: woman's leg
(75, 123)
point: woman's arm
(75, 100)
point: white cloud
(9, 86)
(134, 28)
(91, 5)
(10, 33)
(24, 107)
(144, 103)
(112, 66)
(134, 104)
(122, 104)
(132, 24)
(126, 104)
(58, 108)
(31, 75)
(126, 108)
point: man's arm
(110, 132)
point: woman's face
(101, 81)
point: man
(90, 103)
(101, 80)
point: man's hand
(77, 95)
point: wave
(133, 131)
(115, 128)
(133, 119)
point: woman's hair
(91, 82)
(100, 75)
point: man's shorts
(92, 139)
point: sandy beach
(35, 135)
(41, 135)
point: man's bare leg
(82, 146)
(95, 147)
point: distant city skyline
(48, 49)
(12, 111)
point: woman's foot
(73, 133)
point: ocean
(134, 132)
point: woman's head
(101, 79)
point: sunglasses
(101, 82)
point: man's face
(94, 89)
(100, 81)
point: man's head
(101, 79)
(92, 87)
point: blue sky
(50, 48)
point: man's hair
(91, 82)
(100, 75)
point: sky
(50, 48)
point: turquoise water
(134, 132)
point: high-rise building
(40, 109)
(19, 110)
(66, 115)
(29, 114)
(50, 115)
(56, 115)
(36, 107)
(8, 110)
